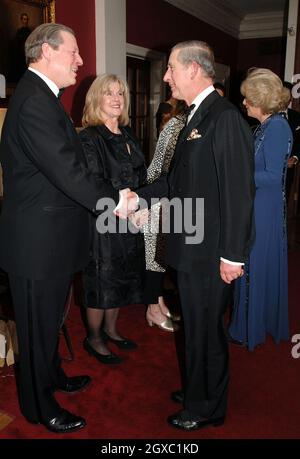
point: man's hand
(230, 272)
(139, 218)
(127, 203)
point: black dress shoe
(184, 422)
(32, 421)
(177, 396)
(110, 359)
(75, 384)
(65, 422)
(123, 343)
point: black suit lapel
(37, 81)
(199, 116)
(202, 111)
(181, 138)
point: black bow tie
(60, 92)
(189, 109)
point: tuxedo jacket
(293, 118)
(48, 191)
(213, 160)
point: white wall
(111, 37)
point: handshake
(128, 203)
(127, 206)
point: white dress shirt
(200, 98)
(47, 80)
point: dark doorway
(138, 77)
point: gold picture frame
(18, 18)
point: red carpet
(132, 400)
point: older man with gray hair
(44, 231)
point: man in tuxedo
(44, 236)
(213, 160)
(293, 118)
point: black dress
(113, 277)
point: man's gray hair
(45, 33)
(197, 51)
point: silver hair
(197, 51)
(45, 33)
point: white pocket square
(194, 134)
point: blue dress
(261, 295)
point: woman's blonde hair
(264, 89)
(92, 114)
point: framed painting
(17, 19)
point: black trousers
(290, 173)
(153, 286)
(39, 307)
(204, 298)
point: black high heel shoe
(110, 359)
(123, 343)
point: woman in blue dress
(261, 294)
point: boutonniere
(194, 134)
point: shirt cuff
(121, 199)
(234, 263)
(119, 205)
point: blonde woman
(261, 295)
(113, 277)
